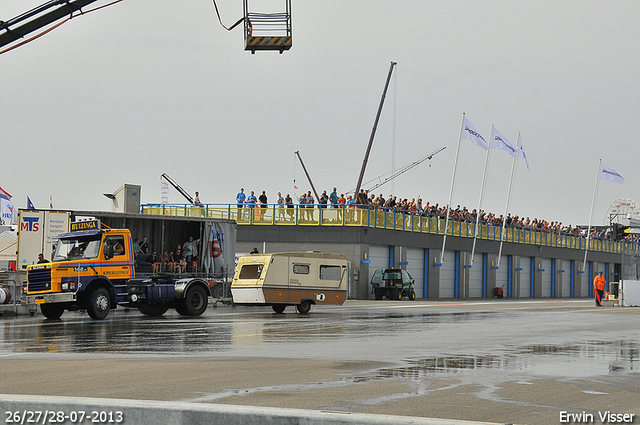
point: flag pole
(453, 180)
(506, 207)
(484, 178)
(593, 202)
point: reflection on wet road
(558, 340)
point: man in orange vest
(598, 287)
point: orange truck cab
(94, 269)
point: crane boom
(373, 131)
(36, 18)
(177, 186)
(406, 168)
(307, 174)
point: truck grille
(39, 280)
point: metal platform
(267, 43)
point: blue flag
(30, 205)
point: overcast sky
(141, 88)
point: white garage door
(475, 277)
(415, 267)
(525, 277)
(546, 277)
(502, 275)
(564, 272)
(378, 259)
(447, 275)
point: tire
(398, 294)
(155, 310)
(196, 300)
(412, 295)
(51, 311)
(218, 291)
(181, 308)
(279, 308)
(99, 303)
(304, 307)
(378, 294)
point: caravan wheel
(304, 307)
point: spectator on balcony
(309, 201)
(263, 204)
(280, 202)
(240, 198)
(290, 208)
(333, 198)
(324, 200)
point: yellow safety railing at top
(301, 215)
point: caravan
(281, 279)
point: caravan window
(300, 269)
(250, 271)
(330, 272)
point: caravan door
(299, 278)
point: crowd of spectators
(179, 260)
(418, 207)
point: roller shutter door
(378, 259)
(546, 277)
(525, 277)
(475, 277)
(502, 275)
(566, 277)
(415, 258)
(447, 275)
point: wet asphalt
(503, 361)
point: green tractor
(393, 284)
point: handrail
(353, 216)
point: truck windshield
(77, 248)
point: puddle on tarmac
(593, 358)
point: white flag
(470, 132)
(609, 173)
(522, 154)
(501, 142)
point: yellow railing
(300, 216)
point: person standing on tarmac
(598, 287)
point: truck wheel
(196, 300)
(378, 293)
(99, 304)
(304, 307)
(398, 294)
(155, 310)
(51, 311)
(278, 308)
(218, 291)
(181, 308)
(412, 295)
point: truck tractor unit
(93, 269)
